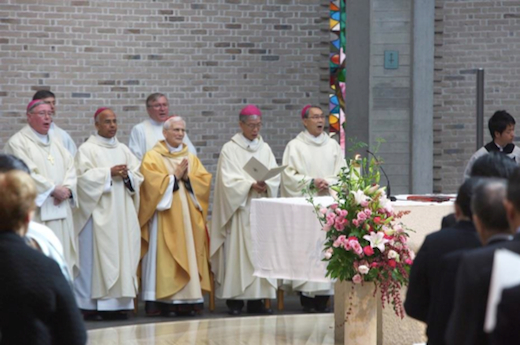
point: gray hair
(243, 118)
(153, 97)
(168, 123)
(487, 203)
(306, 114)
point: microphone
(388, 194)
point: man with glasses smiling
(52, 169)
(146, 134)
(230, 228)
(312, 158)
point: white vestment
(146, 134)
(110, 235)
(51, 165)
(64, 138)
(230, 246)
(308, 157)
(49, 245)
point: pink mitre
(304, 110)
(99, 111)
(34, 104)
(250, 110)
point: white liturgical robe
(308, 157)
(231, 244)
(110, 235)
(146, 134)
(51, 165)
(64, 138)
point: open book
(260, 172)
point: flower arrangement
(365, 242)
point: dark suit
(443, 304)
(36, 302)
(466, 325)
(507, 330)
(425, 272)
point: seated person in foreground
(36, 302)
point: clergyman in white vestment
(146, 134)
(109, 232)
(230, 228)
(52, 169)
(59, 133)
(312, 157)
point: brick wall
(469, 35)
(209, 57)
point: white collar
(172, 149)
(318, 140)
(106, 140)
(44, 138)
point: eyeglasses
(159, 105)
(44, 113)
(253, 125)
(317, 117)
(178, 130)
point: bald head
(106, 123)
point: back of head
(10, 162)
(499, 122)
(42, 94)
(513, 189)
(16, 200)
(493, 164)
(487, 204)
(464, 195)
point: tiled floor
(289, 326)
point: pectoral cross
(50, 158)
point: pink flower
(357, 279)
(364, 203)
(361, 216)
(356, 247)
(343, 213)
(369, 251)
(403, 239)
(328, 253)
(339, 226)
(326, 228)
(363, 269)
(333, 206)
(377, 220)
(355, 222)
(367, 212)
(330, 221)
(323, 210)
(408, 261)
(374, 264)
(392, 263)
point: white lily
(359, 196)
(377, 240)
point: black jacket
(36, 302)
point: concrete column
(422, 97)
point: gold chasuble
(187, 213)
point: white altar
(288, 242)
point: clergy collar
(155, 123)
(172, 149)
(320, 139)
(43, 138)
(110, 141)
(494, 147)
(252, 144)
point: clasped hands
(60, 194)
(259, 186)
(181, 170)
(321, 184)
(119, 171)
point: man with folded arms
(146, 134)
(230, 228)
(107, 223)
(172, 215)
(52, 169)
(312, 158)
